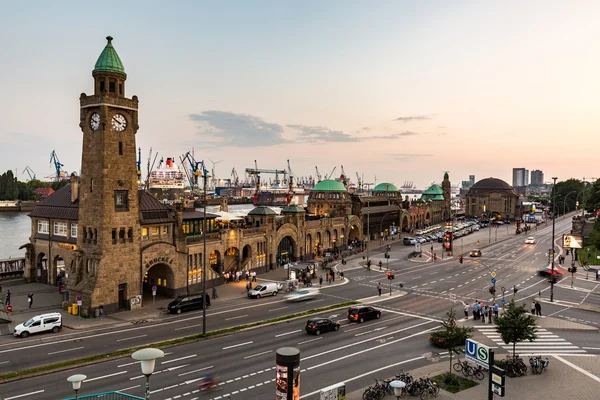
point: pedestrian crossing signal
(390, 275)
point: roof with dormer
(293, 209)
(109, 60)
(262, 210)
(329, 185)
(434, 190)
(385, 187)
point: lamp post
(368, 230)
(147, 358)
(204, 252)
(399, 388)
(382, 219)
(76, 382)
(565, 202)
(552, 244)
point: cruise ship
(167, 182)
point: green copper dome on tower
(109, 60)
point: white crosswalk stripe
(547, 343)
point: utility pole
(368, 230)
(552, 277)
(204, 255)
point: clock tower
(108, 268)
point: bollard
(287, 361)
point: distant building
(43, 192)
(537, 177)
(520, 177)
(467, 184)
(493, 198)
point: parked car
(475, 253)
(303, 294)
(51, 322)
(188, 303)
(363, 313)
(408, 241)
(318, 325)
(530, 240)
(265, 289)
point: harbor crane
(150, 167)
(255, 174)
(60, 173)
(236, 178)
(197, 168)
(29, 172)
(330, 174)
(360, 185)
(344, 178)
(139, 165)
(317, 175)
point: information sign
(493, 280)
(477, 353)
(493, 274)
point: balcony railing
(254, 231)
(108, 396)
(215, 236)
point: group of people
(236, 276)
(536, 308)
(481, 311)
(9, 295)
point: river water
(15, 229)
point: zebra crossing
(547, 343)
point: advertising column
(287, 381)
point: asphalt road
(356, 354)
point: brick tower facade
(109, 240)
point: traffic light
(567, 251)
(570, 269)
(574, 269)
(552, 280)
(515, 290)
(448, 241)
(390, 275)
(492, 290)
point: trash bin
(70, 310)
(75, 308)
(61, 288)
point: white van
(51, 322)
(265, 289)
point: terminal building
(109, 242)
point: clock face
(119, 123)
(95, 121)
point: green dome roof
(109, 60)
(262, 210)
(293, 208)
(385, 187)
(434, 189)
(446, 175)
(328, 185)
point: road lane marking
(194, 371)
(570, 364)
(187, 327)
(237, 345)
(129, 338)
(23, 395)
(64, 351)
(288, 333)
(310, 340)
(104, 376)
(129, 388)
(239, 316)
(258, 354)
(277, 309)
(178, 359)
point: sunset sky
(394, 90)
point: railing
(199, 238)
(254, 231)
(108, 396)
(339, 220)
(13, 267)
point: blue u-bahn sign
(477, 353)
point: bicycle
(431, 389)
(537, 364)
(375, 392)
(459, 365)
(477, 372)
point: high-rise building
(537, 177)
(520, 177)
(472, 179)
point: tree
(515, 325)
(566, 194)
(451, 336)
(592, 196)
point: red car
(549, 272)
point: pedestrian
(8, 297)
(474, 308)
(484, 313)
(379, 288)
(248, 287)
(320, 280)
(466, 310)
(491, 309)
(496, 310)
(253, 276)
(30, 299)
(538, 309)
(101, 312)
(0, 288)
(533, 307)
(247, 275)
(214, 292)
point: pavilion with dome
(493, 198)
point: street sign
(573, 241)
(498, 390)
(503, 289)
(79, 298)
(477, 353)
(493, 280)
(498, 379)
(154, 288)
(418, 247)
(493, 274)
(503, 302)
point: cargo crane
(330, 174)
(139, 165)
(288, 197)
(255, 174)
(30, 173)
(150, 167)
(317, 175)
(236, 178)
(197, 169)
(60, 173)
(344, 178)
(360, 185)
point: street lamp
(147, 358)
(565, 202)
(552, 244)
(398, 387)
(76, 382)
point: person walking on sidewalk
(466, 311)
(101, 312)
(320, 280)
(538, 309)
(8, 298)
(379, 288)
(490, 311)
(30, 299)
(533, 307)
(214, 292)
(496, 310)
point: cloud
(413, 118)
(408, 156)
(241, 130)
(398, 135)
(322, 134)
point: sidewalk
(566, 377)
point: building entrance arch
(405, 224)
(247, 257)
(231, 261)
(285, 251)
(354, 233)
(160, 275)
(214, 260)
(58, 271)
(309, 244)
(42, 268)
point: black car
(318, 325)
(362, 314)
(187, 303)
